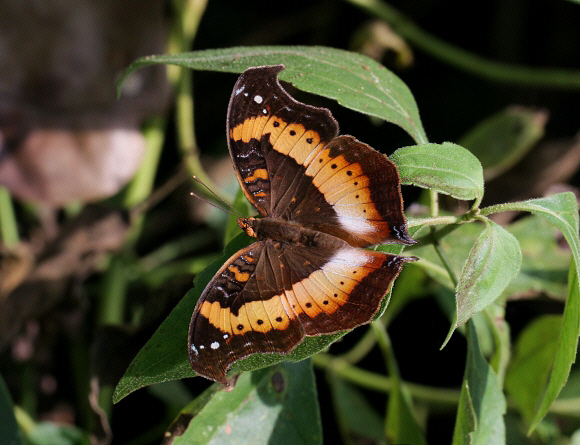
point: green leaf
(47, 433)
(9, 431)
(447, 168)
(492, 263)
(276, 405)
(401, 425)
(565, 350)
(164, 356)
(482, 403)
(544, 263)
(533, 358)
(357, 419)
(355, 81)
(501, 140)
(561, 210)
(456, 246)
(466, 421)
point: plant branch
(465, 60)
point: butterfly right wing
(270, 295)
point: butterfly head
(249, 225)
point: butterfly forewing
(271, 134)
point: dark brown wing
(290, 164)
(264, 125)
(351, 191)
(267, 297)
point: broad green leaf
(447, 168)
(561, 210)
(492, 263)
(9, 431)
(533, 357)
(164, 356)
(482, 403)
(544, 261)
(357, 419)
(355, 81)
(501, 140)
(277, 405)
(456, 246)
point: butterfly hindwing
(268, 296)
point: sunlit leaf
(355, 81)
(447, 168)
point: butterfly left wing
(239, 313)
(263, 123)
(267, 297)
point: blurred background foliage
(101, 239)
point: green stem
(445, 261)
(384, 343)
(434, 221)
(467, 61)
(437, 397)
(182, 35)
(113, 292)
(8, 225)
(142, 183)
(361, 348)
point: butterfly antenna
(235, 211)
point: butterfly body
(321, 198)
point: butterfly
(322, 198)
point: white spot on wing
(239, 90)
(258, 99)
(349, 256)
(194, 349)
(215, 345)
(353, 224)
(226, 336)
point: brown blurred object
(63, 134)
(60, 263)
(377, 40)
